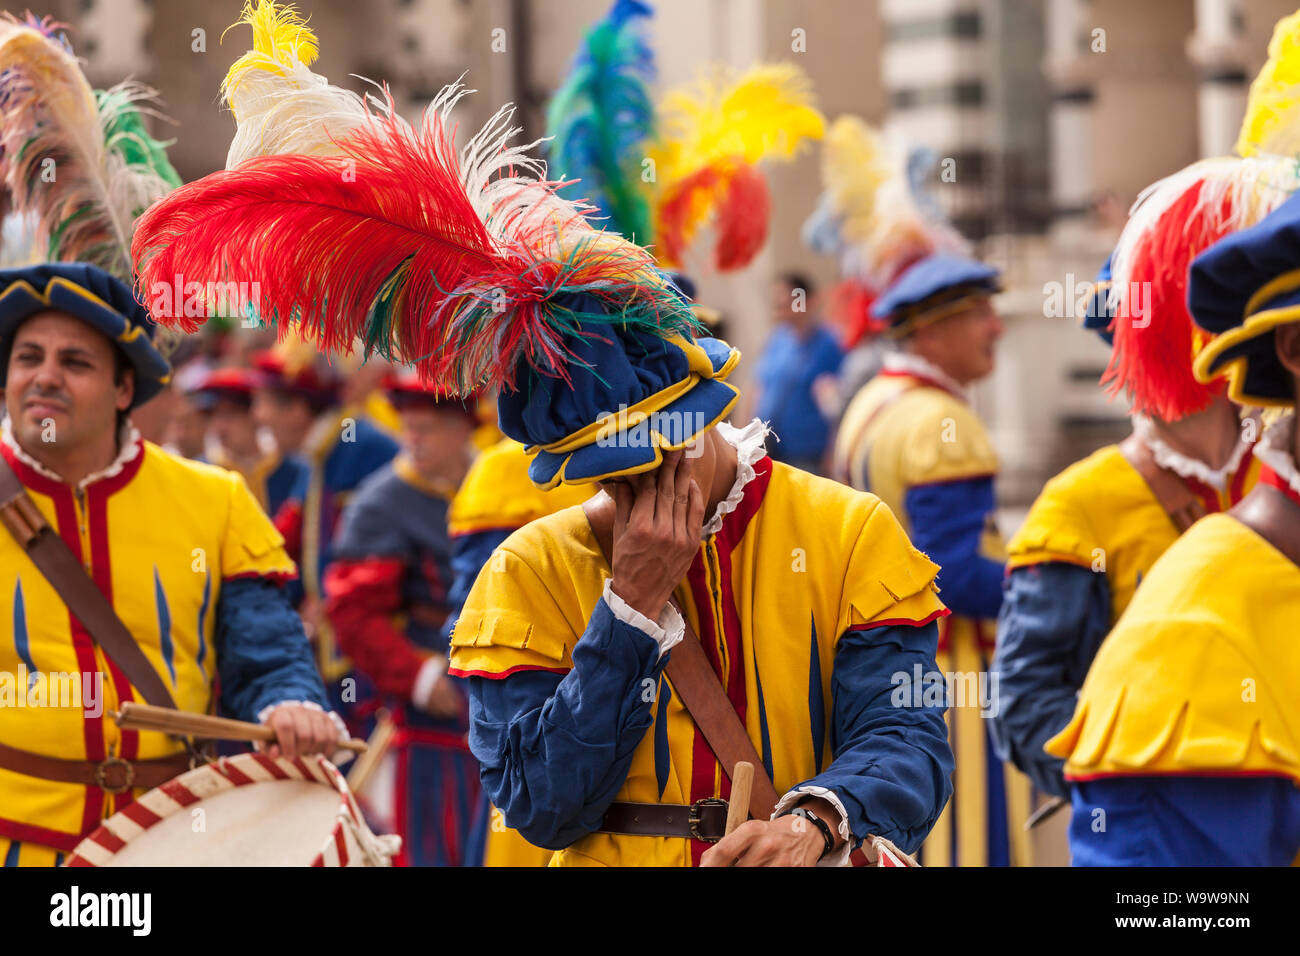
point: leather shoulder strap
(1274, 517)
(61, 568)
(697, 685)
(1178, 500)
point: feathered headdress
(712, 137)
(463, 263)
(601, 118)
(873, 218)
(279, 104)
(79, 161)
(1173, 220)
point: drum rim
(229, 773)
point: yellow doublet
(158, 537)
(899, 432)
(799, 562)
(497, 495)
(1200, 674)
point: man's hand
(445, 699)
(657, 522)
(785, 841)
(300, 731)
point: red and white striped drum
(247, 810)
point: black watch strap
(816, 821)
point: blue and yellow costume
(910, 437)
(1183, 747)
(570, 710)
(1089, 540)
(495, 500)
(181, 550)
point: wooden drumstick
(366, 765)
(742, 781)
(181, 723)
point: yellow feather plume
(766, 112)
(1271, 124)
(855, 164)
(281, 40)
(280, 105)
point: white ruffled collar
(128, 444)
(909, 363)
(1185, 466)
(1277, 450)
(750, 444)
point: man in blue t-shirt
(801, 359)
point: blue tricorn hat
(934, 287)
(631, 395)
(1099, 314)
(1240, 290)
(99, 299)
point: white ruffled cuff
(839, 857)
(430, 673)
(339, 756)
(667, 633)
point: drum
(246, 810)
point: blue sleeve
(1185, 821)
(469, 552)
(831, 357)
(555, 750)
(892, 763)
(947, 520)
(262, 652)
(1054, 618)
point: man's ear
(125, 390)
(1287, 342)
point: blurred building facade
(1055, 114)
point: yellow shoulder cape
(1199, 675)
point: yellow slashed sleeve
(523, 608)
(945, 440)
(1199, 675)
(887, 580)
(252, 545)
(1054, 530)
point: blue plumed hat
(1099, 313)
(932, 288)
(631, 395)
(1240, 290)
(97, 298)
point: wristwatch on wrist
(816, 821)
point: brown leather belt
(113, 775)
(703, 820)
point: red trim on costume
(425, 736)
(950, 481)
(275, 577)
(1237, 487)
(497, 675)
(921, 380)
(97, 494)
(1178, 773)
(28, 833)
(512, 526)
(1267, 476)
(1209, 497)
(902, 621)
(703, 761)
